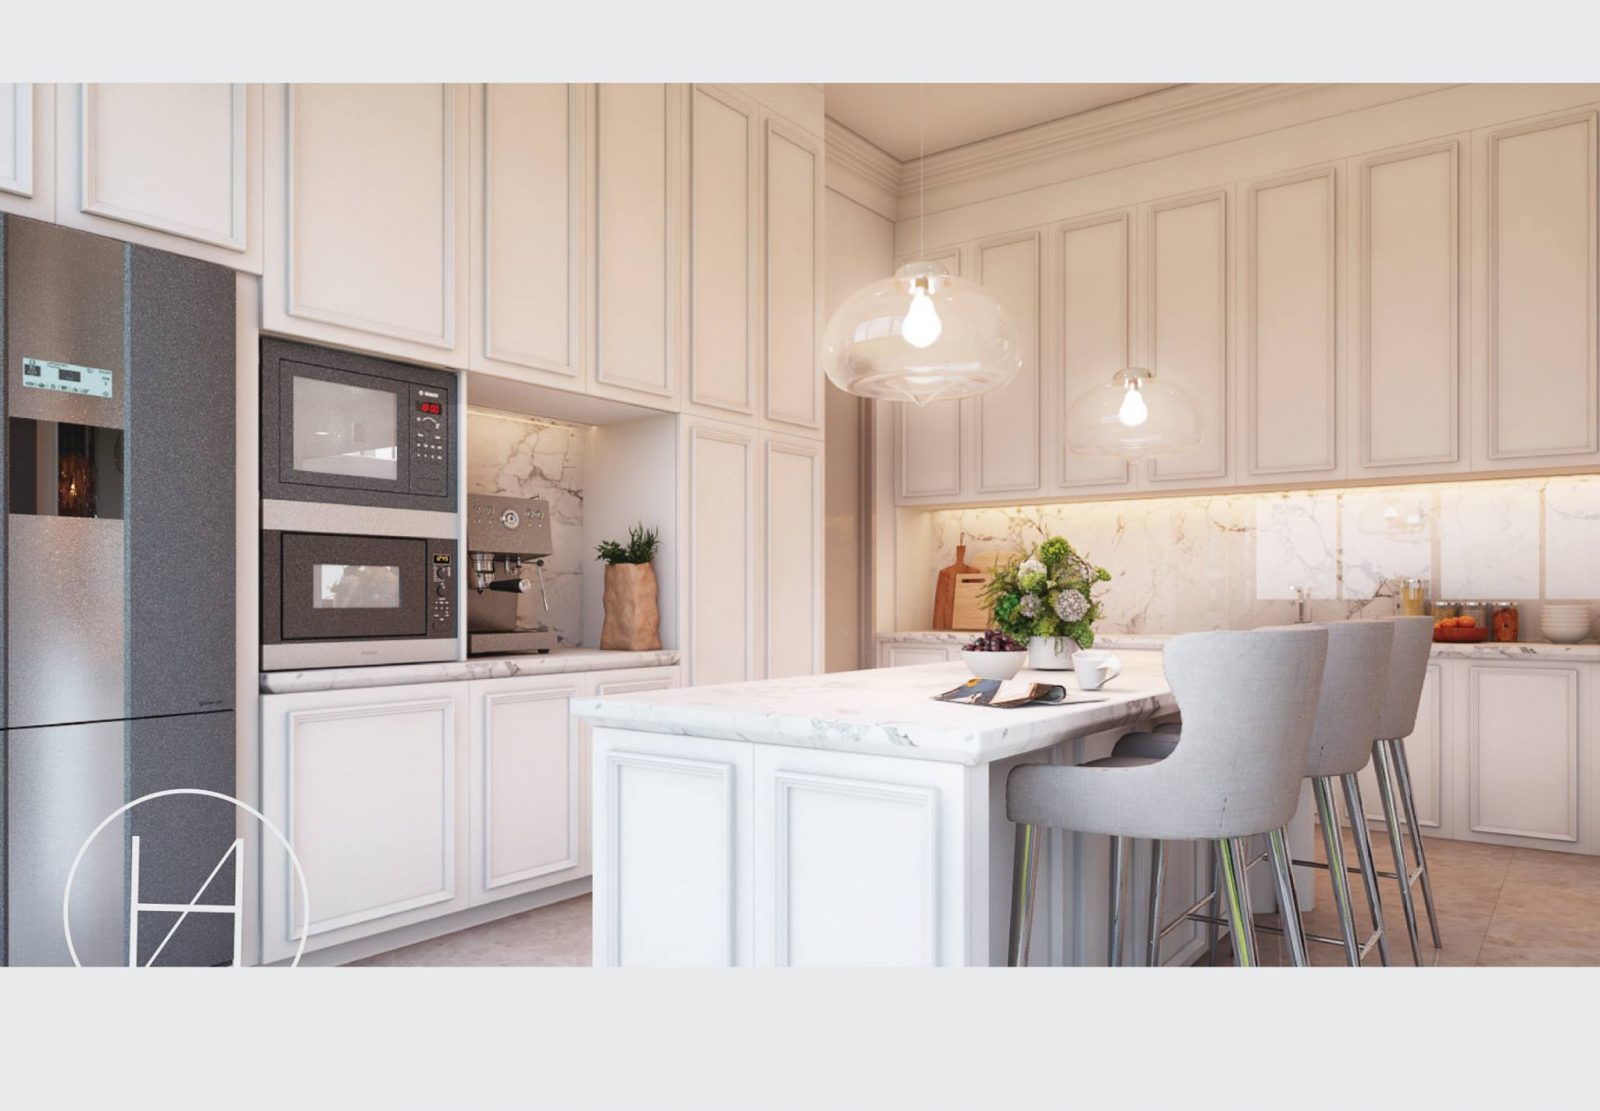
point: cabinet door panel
(1423, 759)
(793, 545)
(1093, 306)
(602, 684)
(637, 194)
(1523, 754)
(367, 222)
(1408, 289)
(794, 277)
(18, 135)
(722, 252)
(1291, 349)
(1187, 322)
(721, 478)
(1541, 245)
(1007, 442)
(528, 227)
(930, 440)
(906, 655)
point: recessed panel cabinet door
(930, 440)
(792, 499)
(1186, 320)
(27, 149)
(367, 218)
(723, 267)
(1407, 382)
(1522, 754)
(1537, 238)
(1009, 422)
(528, 285)
(638, 197)
(1093, 305)
(1291, 325)
(176, 167)
(720, 470)
(793, 305)
(1424, 759)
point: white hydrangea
(1029, 605)
(1070, 606)
(1031, 567)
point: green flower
(1054, 550)
(1033, 582)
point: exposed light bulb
(922, 324)
(1133, 411)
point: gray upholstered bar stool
(1408, 670)
(1353, 684)
(1248, 702)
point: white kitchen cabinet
(171, 166)
(903, 655)
(1187, 312)
(1525, 731)
(791, 498)
(930, 441)
(1427, 759)
(530, 186)
(1008, 425)
(1091, 303)
(599, 684)
(640, 207)
(724, 253)
(718, 498)
(1535, 257)
(1291, 353)
(792, 307)
(367, 219)
(1407, 385)
(370, 787)
(27, 149)
(526, 828)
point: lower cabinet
(903, 655)
(1425, 760)
(407, 803)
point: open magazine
(1012, 696)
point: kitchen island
(848, 819)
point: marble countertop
(1529, 650)
(558, 661)
(888, 711)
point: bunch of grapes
(994, 641)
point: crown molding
(861, 171)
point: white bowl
(1565, 622)
(994, 665)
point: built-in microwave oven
(347, 600)
(348, 429)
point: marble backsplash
(528, 457)
(1184, 564)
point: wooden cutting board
(944, 593)
(958, 597)
(970, 611)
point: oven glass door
(353, 587)
(343, 430)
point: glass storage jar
(1504, 622)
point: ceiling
(954, 115)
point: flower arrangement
(1049, 592)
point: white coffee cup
(1095, 669)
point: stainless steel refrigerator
(117, 588)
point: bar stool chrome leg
(1408, 801)
(1158, 868)
(1288, 901)
(1328, 816)
(1235, 856)
(1119, 883)
(1369, 873)
(1024, 879)
(1383, 764)
(1214, 931)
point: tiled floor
(1497, 906)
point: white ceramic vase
(1050, 653)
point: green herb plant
(641, 547)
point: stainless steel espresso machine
(504, 535)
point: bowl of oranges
(1459, 630)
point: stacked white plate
(1564, 622)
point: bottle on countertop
(1504, 622)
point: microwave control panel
(430, 440)
(441, 588)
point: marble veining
(1487, 650)
(560, 661)
(888, 711)
(535, 458)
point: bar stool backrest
(1408, 669)
(1353, 684)
(1249, 702)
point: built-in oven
(355, 430)
(345, 600)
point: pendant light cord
(922, 178)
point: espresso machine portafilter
(503, 536)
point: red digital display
(430, 407)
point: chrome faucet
(1302, 603)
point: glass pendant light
(1133, 416)
(923, 335)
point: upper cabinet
(792, 309)
(527, 291)
(1008, 424)
(27, 150)
(1535, 256)
(367, 218)
(930, 441)
(1091, 303)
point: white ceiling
(954, 115)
